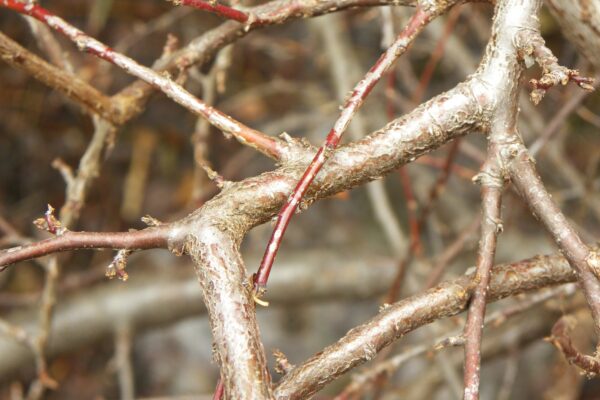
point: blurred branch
(246, 135)
(559, 338)
(69, 85)
(123, 339)
(84, 317)
(49, 45)
(344, 69)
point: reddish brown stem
(145, 239)
(440, 182)
(219, 9)
(491, 193)
(219, 390)
(263, 143)
(451, 251)
(437, 54)
(360, 92)
(411, 204)
(560, 339)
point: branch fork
(353, 102)
(590, 365)
(532, 49)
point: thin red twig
(441, 181)
(435, 162)
(411, 204)
(216, 8)
(360, 92)
(219, 390)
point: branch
(69, 85)
(492, 183)
(583, 259)
(560, 339)
(149, 238)
(532, 45)
(246, 135)
(88, 169)
(216, 8)
(253, 201)
(230, 306)
(418, 21)
(389, 366)
(362, 343)
(203, 48)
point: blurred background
(341, 259)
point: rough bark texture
(362, 343)
(487, 101)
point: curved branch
(560, 338)
(363, 343)
(243, 205)
(149, 238)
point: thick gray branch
(362, 343)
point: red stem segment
(219, 390)
(219, 9)
(360, 92)
(491, 195)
